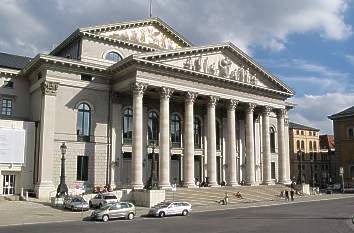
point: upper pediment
(152, 33)
(222, 61)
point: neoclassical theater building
(116, 94)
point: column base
(251, 184)
(164, 186)
(286, 182)
(189, 185)
(268, 183)
(214, 184)
(232, 184)
(45, 190)
(137, 186)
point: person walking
(292, 194)
(286, 195)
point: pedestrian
(226, 199)
(292, 194)
(286, 195)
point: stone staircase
(209, 196)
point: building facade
(328, 153)
(343, 128)
(306, 159)
(117, 93)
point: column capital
(49, 88)
(115, 97)
(191, 96)
(251, 107)
(139, 88)
(232, 104)
(281, 113)
(267, 110)
(166, 92)
(212, 100)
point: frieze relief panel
(218, 65)
(147, 35)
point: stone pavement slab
(33, 212)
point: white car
(174, 208)
(102, 199)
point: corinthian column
(250, 166)
(267, 178)
(137, 158)
(231, 144)
(211, 151)
(46, 148)
(188, 166)
(164, 158)
(283, 164)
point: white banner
(12, 145)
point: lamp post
(152, 182)
(312, 172)
(299, 156)
(62, 189)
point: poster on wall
(12, 145)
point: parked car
(115, 210)
(76, 203)
(174, 208)
(102, 199)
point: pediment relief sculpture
(148, 35)
(223, 67)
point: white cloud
(313, 110)
(246, 23)
(350, 59)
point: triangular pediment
(152, 33)
(222, 61)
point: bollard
(26, 195)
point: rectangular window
(273, 170)
(8, 84)
(86, 77)
(6, 107)
(82, 168)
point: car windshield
(105, 207)
(78, 200)
(164, 204)
(110, 197)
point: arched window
(176, 126)
(298, 144)
(310, 145)
(197, 133)
(83, 124)
(218, 133)
(153, 127)
(350, 133)
(127, 126)
(272, 139)
(113, 56)
(302, 145)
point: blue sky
(307, 44)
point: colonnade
(231, 153)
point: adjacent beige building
(343, 128)
(111, 91)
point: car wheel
(185, 212)
(162, 214)
(130, 216)
(90, 204)
(105, 218)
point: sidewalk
(32, 212)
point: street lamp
(152, 182)
(62, 189)
(299, 156)
(312, 172)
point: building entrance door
(8, 184)
(175, 175)
(198, 167)
(126, 169)
(218, 170)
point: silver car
(76, 203)
(116, 210)
(174, 208)
(102, 199)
